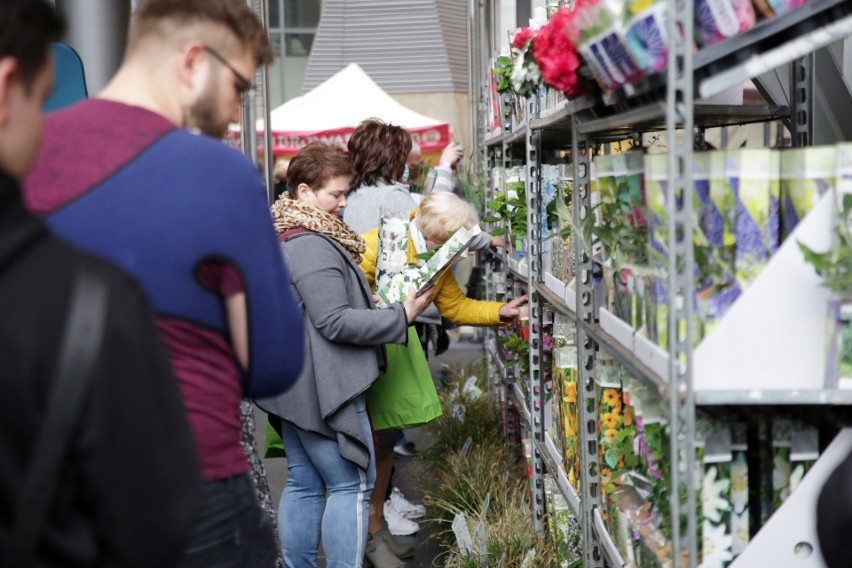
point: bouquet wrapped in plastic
(392, 255)
(422, 277)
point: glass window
(274, 14)
(298, 45)
(301, 13)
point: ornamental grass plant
(470, 470)
(468, 412)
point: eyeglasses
(245, 85)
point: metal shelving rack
(663, 102)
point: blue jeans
(230, 530)
(314, 467)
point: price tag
(462, 533)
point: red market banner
(430, 138)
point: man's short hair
(27, 27)
(442, 213)
(315, 165)
(235, 15)
(379, 151)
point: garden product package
(753, 177)
(647, 34)
(771, 8)
(804, 451)
(739, 489)
(839, 370)
(629, 302)
(782, 439)
(806, 175)
(717, 20)
(392, 256)
(603, 45)
(565, 377)
(656, 186)
(422, 277)
(715, 206)
(714, 456)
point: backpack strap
(289, 233)
(81, 343)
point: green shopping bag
(404, 395)
(273, 446)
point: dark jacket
(128, 488)
(343, 335)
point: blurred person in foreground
(127, 480)
(326, 430)
(155, 190)
(834, 516)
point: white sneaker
(397, 524)
(408, 509)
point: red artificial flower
(556, 53)
(522, 37)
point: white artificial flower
(796, 476)
(739, 484)
(781, 476)
(711, 496)
(739, 532)
(716, 546)
(519, 74)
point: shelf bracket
(802, 100)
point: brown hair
(378, 150)
(315, 164)
(154, 17)
(26, 29)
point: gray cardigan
(366, 203)
(343, 337)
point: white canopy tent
(331, 111)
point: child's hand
(512, 309)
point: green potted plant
(835, 266)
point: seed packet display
(715, 206)
(656, 185)
(628, 301)
(562, 252)
(563, 529)
(565, 377)
(603, 45)
(714, 447)
(752, 175)
(806, 175)
(717, 20)
(647, 26)
(739, 489)
(839, 370)
(782, 434)
(550, 181)
(771, 8)
(804, 451)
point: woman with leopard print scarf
(325, 428)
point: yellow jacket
(448, 297)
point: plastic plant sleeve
(424, 276)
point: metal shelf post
(679, 111)
(590, 493)
(536, 378)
